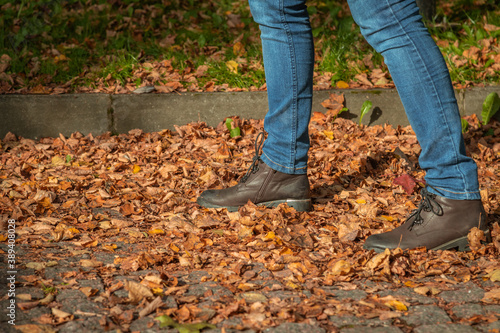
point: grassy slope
(63, 46)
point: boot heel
(462, 243)
(300, 205)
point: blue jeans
(395, 29)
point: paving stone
(282, 295)
(266, 283)
(145, 272)
(466, 293)
(467, 310)
(105, 258)
(36, 293)
(494, 309)
(283, 274)
(365, 284)
(122, 293)
(143, 325)
(94, 284)
(294, 328)
(363, 329)
(73, 300)
(86, 324)
(169, 302)
(442, 328)
(233, 322)
(197, 276)
(490, 328)
(425, 315)
(352, 321)
(200, 289)
(355, 294)
(227, 330)
(408, 295)
(54, 272)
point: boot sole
(462, 243)
(300, 205)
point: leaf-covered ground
(111, 223)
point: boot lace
(254, 167)
(428, 204)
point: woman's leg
(288, 51)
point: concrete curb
(36, 116)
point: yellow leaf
(58, 160)
(495, 275)
(45, 202)
(270, 236)
(157, 291)
(275, 267)
(110, 247)
(246, 286)
(341, 267)
(292, 285)
(174, 247)
(238, 49)
(156, 232)
(3, 238)
(387, 218)
(328, 134)
(286, 251)
(410, 284)
(60, 58)
(342, 85)
(396, 305)
(73, 230)
(361, 201)
(232, 66)
(136, 168)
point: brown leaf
(90, 263)
(492, 296)
(32, 328)
(155, 304)
(407, 182)
(475, 237)
(136, 291)
(348, 232)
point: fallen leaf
(136, 291)
(407, 182)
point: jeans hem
(474, 195)
(281, 168)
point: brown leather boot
(438, 224)
(262, 186)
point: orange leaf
(342, 85)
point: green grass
(95, 43)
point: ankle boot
(438, 224)
(262, 186)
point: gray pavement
(459, 307)
(37, 116)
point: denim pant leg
(395, 29)
(288, 52)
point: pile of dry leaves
(141, 188)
